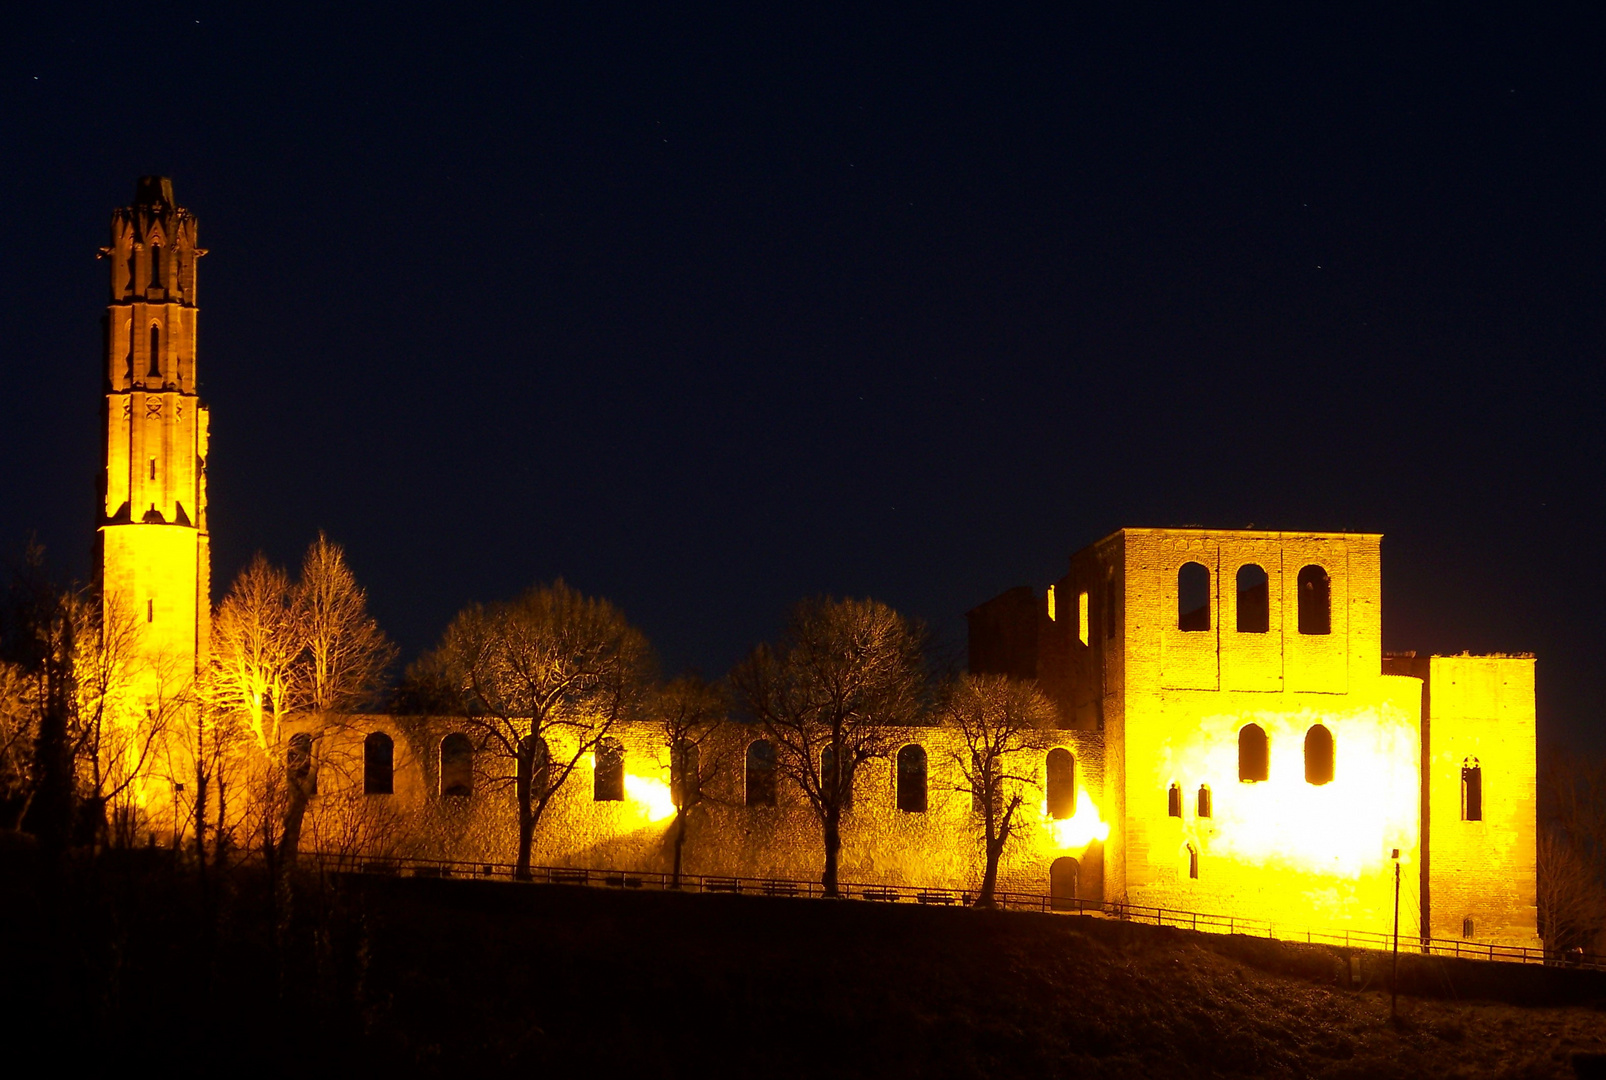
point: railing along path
(1013, 901)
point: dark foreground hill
(414, 976)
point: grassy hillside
(424, 976)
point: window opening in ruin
(1193, 597)
(1173, 800)
(1204, 807)
(1063, 883)
(831, 782)
(156, 353)
(1193, 863)
(1467, 928)
(457, 766)
(608, 781)
(1254, 759)
(378, 764)
(685, 763)
(761, 773)
(1059, 783)
(1315, 601)
(534, 765)
(1051, 604)
(1109, 603)
(1318, 755)
(912, 779)
(982, 783)
(1082, 631)
(150, 611)
(1471, 790)
(1254, 600)
(298, 763)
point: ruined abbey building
(1233, 739)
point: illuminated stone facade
(1191, 649)
(153, 553)
(1238, 743)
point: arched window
(457, 765)
(1193, 863)
(1254, 600)
(1193, 597)
(761, 773)
(298, 763)
(1063, 884)
(1318, 755)
(1204, 808)
(1173, 800)
(1471, 790)
(1253, 759)
(833, 785)
(535, 763)
(608, 781)
(685, 780)
(156, 353)
(156, 266)
(912, 779)
(1315, 601)
(1059, 783)
(378, 764)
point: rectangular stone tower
(153, 554)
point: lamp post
(1394, 979)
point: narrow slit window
(534, 765)
(1253, 758)
(1315, 601)
(685, 775)
(608, 781)
(1318, 755)
(1471, 790)
(378, 764)
(1109, 604)
(912, 779)
(1193, 863)
(1059, 783)
(761, 773)
(1193, 597)
(1173, 800)
(156, 353)
(1204, 807)
(156, 266)
(150, 611)
(457, 766)
(153, 468)
(1082, 631)
(1254, 600)
(1053, 607)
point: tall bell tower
(153, 551)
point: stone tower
(153, 554)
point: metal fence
(655, 880)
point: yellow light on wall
(1078, 830)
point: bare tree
(691, 716)
(996, 717)
(254, 646)
(829, 693)
(551, 662)
(339, 668)
(1571, 850)
(19, 725)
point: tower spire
(153, 550)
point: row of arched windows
(1254, 599)
(608, 778)
(1254, 755)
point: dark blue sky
(708, 312)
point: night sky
(709, 312)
